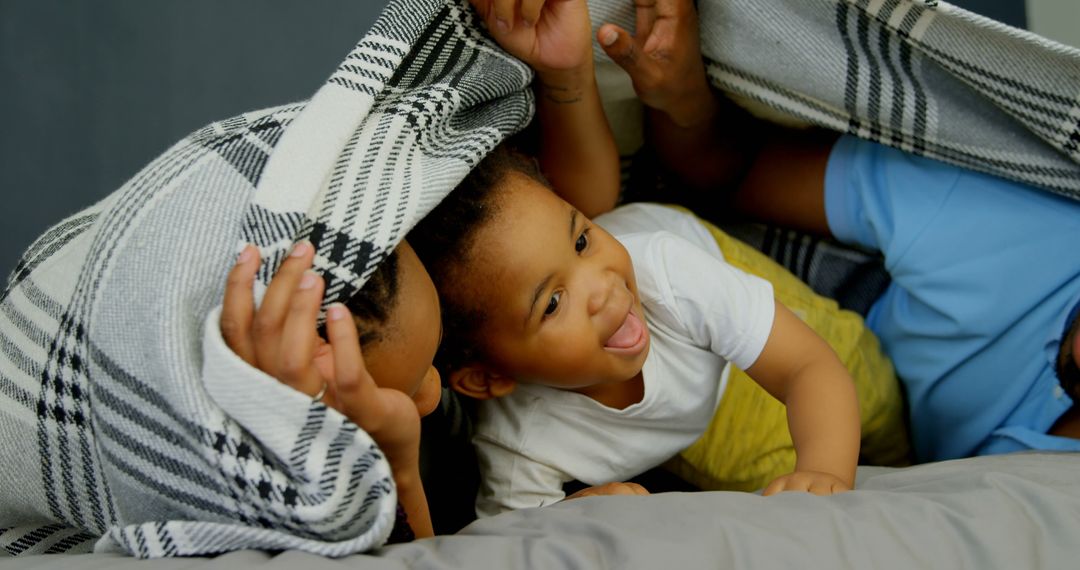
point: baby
(598, 356)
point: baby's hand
(815, 482)
(616, 488)
(663, 59)
(280, 338)
(550, 35)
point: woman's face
(401, 359)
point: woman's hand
(280, 338)
(552, 36)
(663, 59)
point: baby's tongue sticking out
(628, 334)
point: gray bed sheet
(1013, 511)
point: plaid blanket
(120, 432)
(117, 431)
(922, 76)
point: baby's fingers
(775, 487)
(627, 53)
(629, 488)
(789, 482)
(619, 45)
(238, 307)
(810, 482)
(644, 17)
(829, 486)
(617, 488)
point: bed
(1017, 511)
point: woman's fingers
(530, 11)
(504, 14)
(482, 7)
(353, 385)
(389, 416)
(238, 307)
(270, 318)
(299, 339)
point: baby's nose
(600, 293)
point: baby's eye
(553, 303)
(582, 242)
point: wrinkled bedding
(1017, 511)
(1011, 512)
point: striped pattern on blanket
(925, 77)
(114, 436)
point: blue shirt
(985, 272)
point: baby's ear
(480, 382)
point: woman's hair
(444, 242)
(372, 304)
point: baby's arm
(707, 141)
(280, 339)
(800, 369)
(698, 135)
(577, 150)
(511, 480)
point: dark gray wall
(92, 91)
(1012, 12)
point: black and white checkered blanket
(922, 76)
(116, 430)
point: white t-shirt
(701, 312)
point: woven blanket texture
(116, 433)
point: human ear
(479, 382)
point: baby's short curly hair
(444, 242)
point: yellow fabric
(748, 444)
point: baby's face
(402, 358)
(559, 293)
